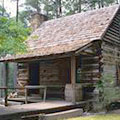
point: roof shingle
(69, 33)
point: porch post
(70, 89)
(73, 70)
(73, 77)
(73, 91)
(6, 83)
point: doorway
(34, 76)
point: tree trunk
(47, 10)
(102, 3)
(60, 8)
(79, 6)
(3, 7)
(17, 11)
(117, 1)
(38, 7)
(99, 5)
(57, 7)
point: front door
(34, 75)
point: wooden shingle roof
(68, 34)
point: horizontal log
(113, 30)
(117, 18)
(111, 41)
(112, 33)
(48, 74)
(23, 70)
(110, 52)
(110, 62)
(90, 61)
(22, 78)
(90, 65)
(90, 58)
(90, 74)
(88, 81)
(112, 38)
(96, 78)
(110, 55)
(90, 68)
(116, 21)
(11, 88)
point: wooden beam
(37, 58)
(73, 78)
(73, 69)
(83, 48)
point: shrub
(108, 92)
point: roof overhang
(36, 58)
(24, 58)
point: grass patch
(99, 117)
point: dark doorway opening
(34, 76)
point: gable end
(112, 35)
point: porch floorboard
(32, 99)
(17, 111)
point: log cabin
(69, 55)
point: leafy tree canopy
(59, 8)
(24, 16)
(3, 12)
(36, 4)
(12, 36)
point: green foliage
(3, 12)
(24, 17)
(58, 8)
(99, 117)
(108, 2)
(35, 4)
(48, 7)
(72, 6)
(108, 92)
(51, 8)
(12, 36)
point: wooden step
(56, 116)
(63, 115)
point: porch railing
(35, 87)
(25, 89)
(44, 87)
(6, 93)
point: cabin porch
(63, 78)
(69, 77)
(39, 110)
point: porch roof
(67, 34)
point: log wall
(111, 48)
(89, 65)
(90, 69)
(51, 73)
(54, 72)
(22, 76)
